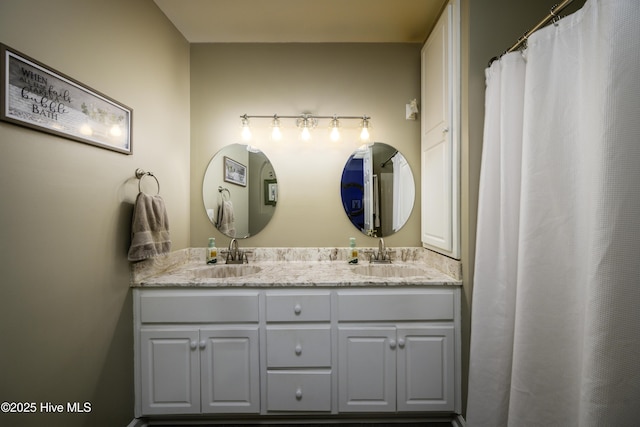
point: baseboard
(458, 421)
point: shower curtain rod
(553, 14)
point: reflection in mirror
(377, 189)
(240, 191)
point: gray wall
(228, 80)
(65, 207)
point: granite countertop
(294, 267)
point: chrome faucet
(234, 255)
(382, 256)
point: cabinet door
(230, 370)
(425, 368)
(366, 366)
(170, 372)
(439, 160)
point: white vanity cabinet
(198, 352)
(268, 353)
(396, 350)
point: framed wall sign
(41, 98)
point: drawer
(166, 306)
(396, 305)
(299, 391)
(298, 307)
(299, 347)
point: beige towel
(149, 228)
(226, 220)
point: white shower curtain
(555, 335)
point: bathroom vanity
(284, 339)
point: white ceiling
(302, 21)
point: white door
(366, 369)
(230, 370)
(170, 372)
(368, 196)
(438, 148)
(425, 368)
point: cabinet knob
(193, 344)
(445, 130)
(401, 343)
(392, 344)
(203, 344)
(299, 393)
(298, 349)
(297, 309)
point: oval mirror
(240, 191)
(377, 189)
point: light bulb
(364, 134)
(246, 132)
(276, 134)
(305, 135)
(335, 133)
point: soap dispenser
(212, 251)
(353, 251)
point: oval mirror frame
(377, 189)
(239, 191)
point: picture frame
(235, 172)
(270, 192)
(38, 97)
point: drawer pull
(299, 393)
(298, 349)
(193, 344)
(297, 309)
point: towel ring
(221, 189)
(140, 174)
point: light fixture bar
(303, 116)
(306, 122)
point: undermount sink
(388, 270)
(225, 270)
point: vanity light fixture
(306, 123)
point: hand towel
(226, 221)
(149, 228)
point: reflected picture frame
(270, 192)
(235, 172)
